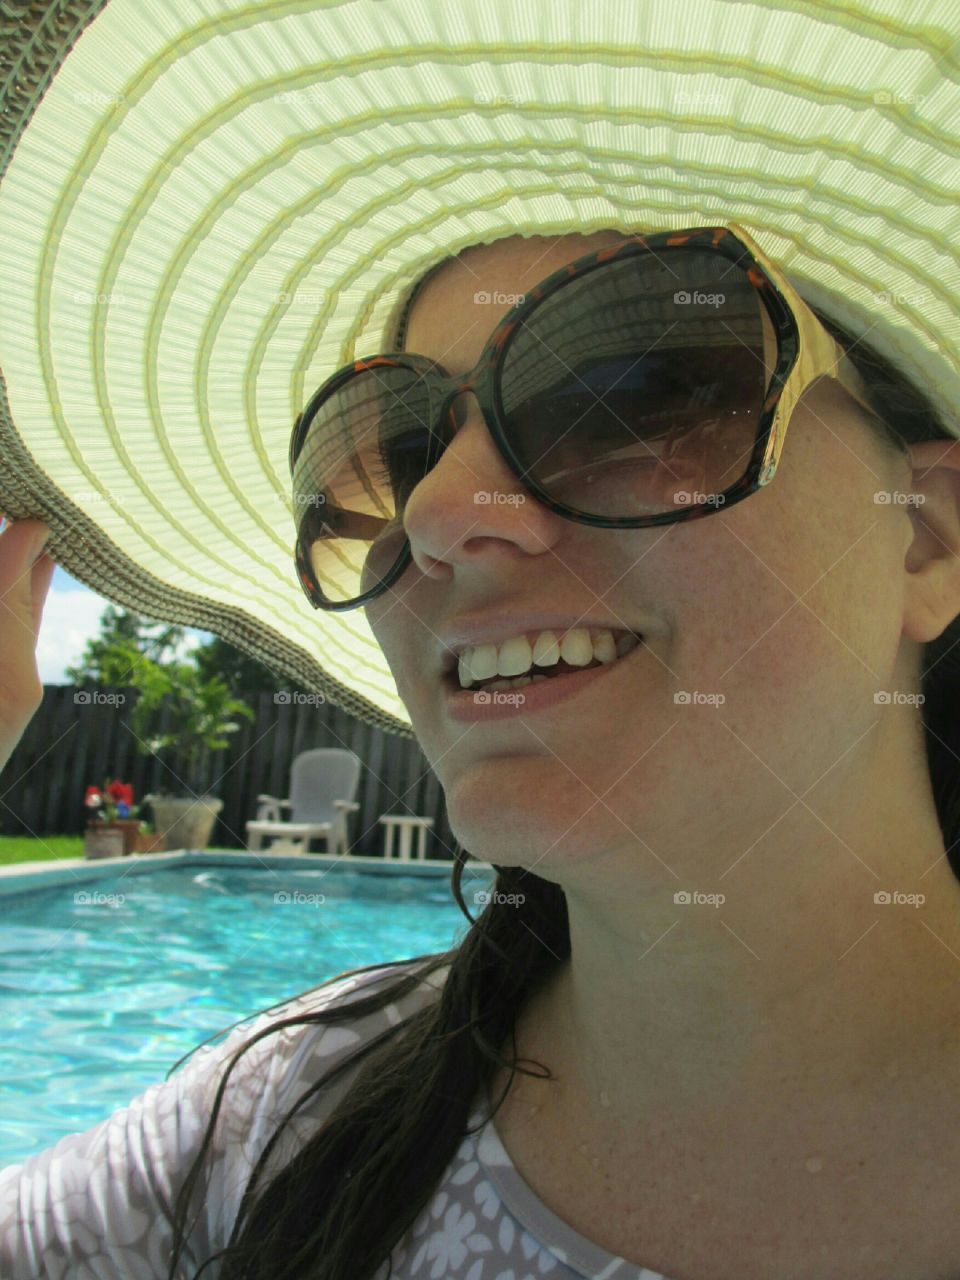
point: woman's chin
(521, 833)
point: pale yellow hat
(208, 206)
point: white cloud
(71, 617)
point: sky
(71, 617)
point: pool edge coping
(23, 876)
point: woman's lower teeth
(518, 682)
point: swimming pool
(105, 983)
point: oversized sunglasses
(643, 384)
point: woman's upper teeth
(515, 656)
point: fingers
(40, 579)
(25, 576)
(26, 571)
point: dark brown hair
(337, 1211)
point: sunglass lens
(636, 388)
(365, 448)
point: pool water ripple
(104, 985)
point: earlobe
(925, 614)
(932, 562)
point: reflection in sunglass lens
(365, 449)
(637, 387)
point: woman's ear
(932, 597)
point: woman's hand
(25, 574)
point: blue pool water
(100, 995)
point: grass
(31, 849)
(50, 848)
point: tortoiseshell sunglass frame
(805, 353)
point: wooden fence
(70, 745)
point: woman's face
(788, 605)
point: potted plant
(202, 713)
(110, 808)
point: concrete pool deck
(23, 876)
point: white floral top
(88, 1208)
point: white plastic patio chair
(323, 783)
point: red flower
(120, 793)
(92, 798)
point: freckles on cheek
(741, 632)
(800, 695)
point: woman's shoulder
(279, 1085)
(365, 982)
(302, 1018)
(281, 1050)
(352, 986)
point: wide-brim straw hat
(209, 206)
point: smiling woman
(637, 363)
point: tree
(246, 676)
(124, 638)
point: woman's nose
(471, 498)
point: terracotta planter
(185, 822)
(147, 843)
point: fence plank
(54, 792)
